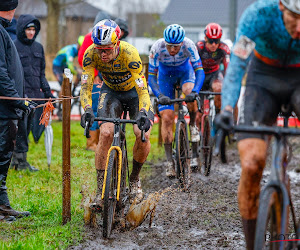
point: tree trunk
(52, 26)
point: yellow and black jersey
(122, 74)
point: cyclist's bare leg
(105, 140)
(167, 124)
(217, 87)
(167, 118)
(253, 154)
(140, 153)
(192, 106)
(194, 127)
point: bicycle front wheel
(123, 187)
(182, 156)
(268, 226)
(206, 146)
(110, 193)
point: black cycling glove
(88, 116)
(191, 97)
(224, 120)
(143, 121)
(164, 100)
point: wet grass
(41, 192)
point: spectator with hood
(92, 142)
(36, 86)
(11, 85)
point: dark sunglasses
(211, 40)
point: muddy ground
(205, 218)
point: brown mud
(205, 218)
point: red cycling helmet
(213, 31)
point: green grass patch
(41, 192)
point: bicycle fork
(118, 149)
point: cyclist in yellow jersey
(124, 88)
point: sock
(100, 179)
(249, 231)
(136, 168)
(192, 118)
(168, 150)
(195, 149)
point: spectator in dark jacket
(36, 86)
(11, 85)
(12, 29)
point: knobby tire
(182, 157)
(206, 149)
(268, 224)
(110, 194)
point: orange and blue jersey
(261, 33)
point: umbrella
(49, 142)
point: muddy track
(205, 218)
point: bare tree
(54, 8)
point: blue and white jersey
(159, 53)
(261, 32)
(161, 61)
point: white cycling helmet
(292, 5)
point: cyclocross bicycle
(115, 187)
(207, 133)
(275, 200)
(181, 142)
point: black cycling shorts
(59, 73)
(210, 78)
(267, 89)
(113, 103)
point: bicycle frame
(119, 136)
(208, 107)
(115, 145)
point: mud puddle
(205, 218)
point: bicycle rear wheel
(268, 227)
(206, 146)
(182, 156)
(110, 193)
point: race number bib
(243, 47)
(140, 82)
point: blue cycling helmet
(174, 33)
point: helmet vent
(105, 34)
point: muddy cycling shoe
(7, 218)
(195, 135)
(8, 211)
(136, 192)
(97, 204)
(170, 170)
(194, 163)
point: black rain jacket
(33, 59)
(11, 75)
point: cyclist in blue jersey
(267, 44)
(175, 58)
(65, 59)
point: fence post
(66, 157)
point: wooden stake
(66, 157)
